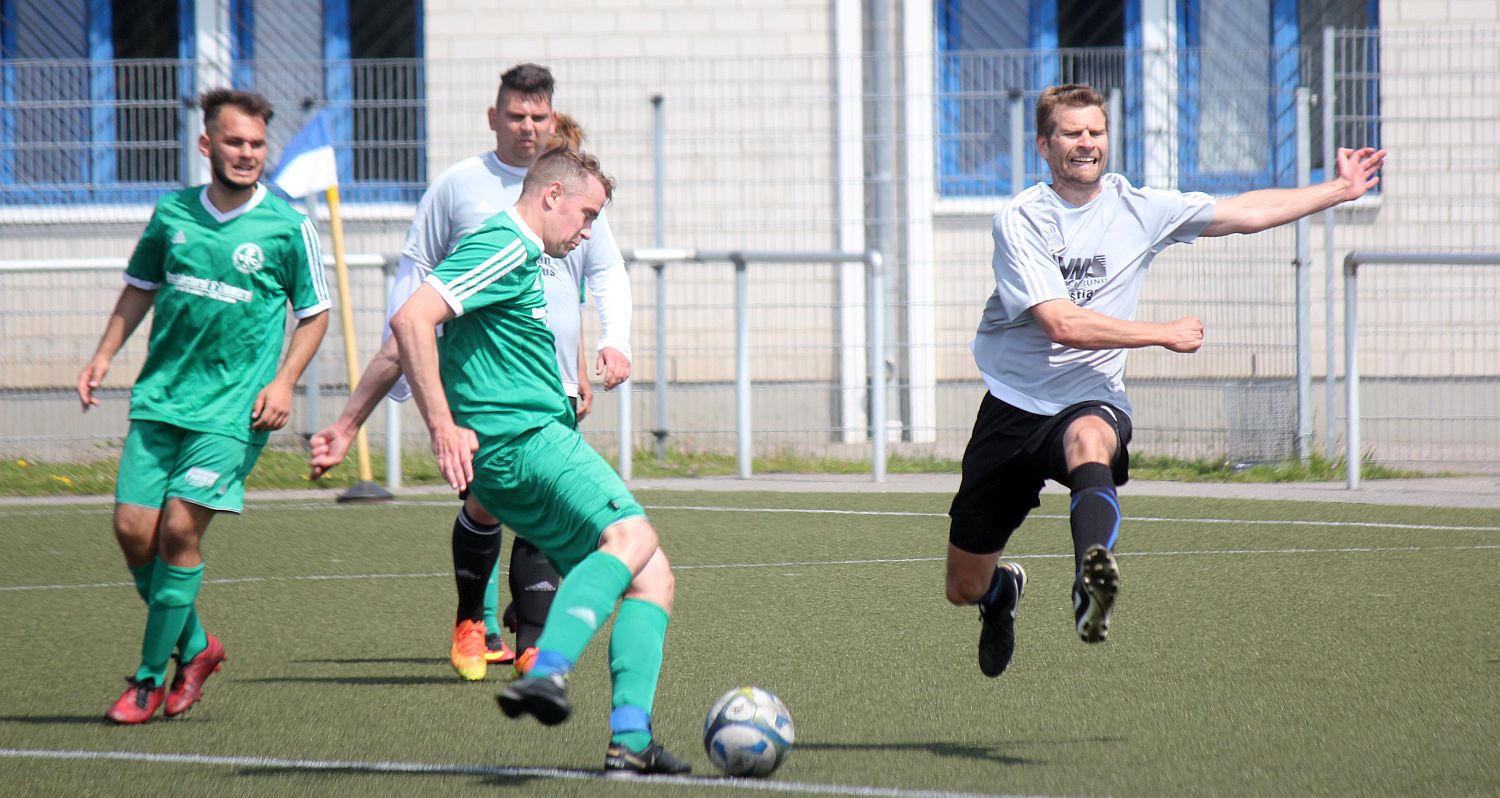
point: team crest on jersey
(248, 258)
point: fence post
(1351, 371)
(1329, 161)
(742, 363)
(1304, 285)
(659, 199)
(876, 319)
(392, 407)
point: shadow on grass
(484, 777)
(988, 753)
(96, 719)
(374, 661)
(357, 681)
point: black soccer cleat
(1094, 594)
(620, 761)
(542, 697)
(997, 630)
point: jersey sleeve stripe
(1014, 230)
(497, 266)
(144, 285)
(315, 259)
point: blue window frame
(1232, 128)
(373, 83)
(91, 107)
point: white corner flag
(307, 163)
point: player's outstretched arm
(331, 444)
(1080, 328)
(415, 329)
(130, 309)
(1255, 211)
(273, 405)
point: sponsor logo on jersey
(248, 258)
(200, 477)
(212, 289)
(1084, 276)
(180, 238)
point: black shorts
(1011, 454)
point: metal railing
(1353, 454)
(740, 259)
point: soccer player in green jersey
(218, 265)
(501, 427)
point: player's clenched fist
(1184, 335)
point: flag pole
(365, 490)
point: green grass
(287, 470)
(1259, 648)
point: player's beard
(221, 175)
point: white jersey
(1096, 255)
(460, 200)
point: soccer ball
(748, 732)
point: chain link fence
(755, 154)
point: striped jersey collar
(222, 217)
(515, 219)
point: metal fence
(755, 154)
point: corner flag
(307, 164)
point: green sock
(635, 652)
(583, 603)
(173, 591)
(492, 601)
(193, 639)
(142, 576)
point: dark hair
(527, 80)
(569, 167)
(248, 101)
(1071, 95)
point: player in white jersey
(459, 201)
(1069, 261)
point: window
(993, 53)
(96, 96)
(1206, 92)
(373, 87)
(93, 108)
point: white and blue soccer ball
(748, 732)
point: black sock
(475, 549)
(1095, 510)
(533, 583)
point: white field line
(103, 509)
(244, 580)
(698, 782)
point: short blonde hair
(1069, 95)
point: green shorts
(162, 462)
(554, 490)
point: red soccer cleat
(187, 685)
(496, 652)
(525, 661)
(138, 703)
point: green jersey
(497, 361)
(222, 283)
